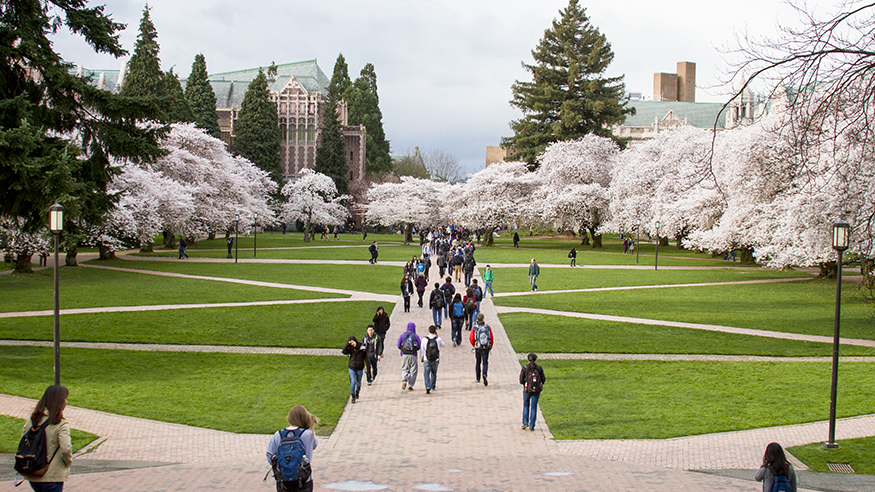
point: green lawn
(241, 393)
(799, 307)
(658, 400)
(364, 278)
(10, 434)
(542, 333)
(856, 452)
(312, 325)
(319, 251)
(82, 287)
(517, 280)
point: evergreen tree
(144, 77)
(569, 97)
(179, 110)
(331, 153)
(364, 109)
(201, 97)
(41, 102)
(257, 131)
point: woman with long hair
(50, 409)
(775, 464)
(300, 422)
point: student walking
(182, 246)
(573, 255)
(430, 355)
(374, 250)
(532, 378)
(421, 283)
(776, 468)
(49, 413)
(409, 344)
(374, 350)
(457, 318)
(534, 271)
(436, 303)
(481, 339)
(301, 424)
(406, 292)
(488, 276)
(516, 240)
(357, 354)
(381, 323)
(449, 290)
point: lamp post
(840, 242)
(236, 234)
(255, 241)
(656, 260)
(56, 225)
(637, 240)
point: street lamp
(255, 241)
(840, 242)
(656, 260)
(236, 234)
(638, 240)
(56, 225)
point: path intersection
(462, 437)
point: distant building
(496, 153)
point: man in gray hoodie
(409, 344)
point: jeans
(488, 286)
(469, 319)
(355, 381)
(482, 356)
(47, 486)
(468, 276)
(436, 316)
(457, 330)
(534, 285)
(371, 368)
(293, 487)
(429, 368)
(530, 409)
(442, 270)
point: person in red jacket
(481, 338)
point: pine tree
(569, 97)
(364, 109)
(144, 77)
(201, 97)
(331, 152)
(179, 110)
(257, 131)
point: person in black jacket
(437, 302)
(531, 391)
(381, 323)
(406, 292)
(374, 349)
(457, 317)
(357, 355)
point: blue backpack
(290, 463)
(458, 309)
(781, 484)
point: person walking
(406, 292)
(481, 339)
(457, 318)
(357, 353)
(449, 290)
(441, 263)
(534, 271)
(776, 468)
(49, 412)
(469, 268)
(573, 255)
(374, 350)
(516, 240)
(421, 283)
(430, 355)
(381, 323)
(532, 378)
(301, 424)
(488, 276)
(409, 344)
(436, 303)
(374, 250)
(470, 307)
(230, 245)
(182, 246)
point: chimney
(686, 82)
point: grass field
(10, 434)
(855, 452)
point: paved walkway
(464, 436)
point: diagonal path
(660, 286)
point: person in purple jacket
(409, 344)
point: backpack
(478, 294)
(438, 301)
(291, 463)
(482, 337)
(408, 344)
(458, 310)
(432, 351)
(471, 306)
(533, 383)
(781, 484)
(32, 456)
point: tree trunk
(307, 232)
(22, 262)
(212, 235)
(489, 239)
(678, 238)
(867, 268)
(663, 241)
(827, 270)
(105, 253)
(596, 239)
(747, 256)
(70, 258)
(147, 247)
(169, 240)
(584, 238)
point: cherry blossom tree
(412, 201)
(313, 199)
(575, 177)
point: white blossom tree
(412, 201)
(312, 199)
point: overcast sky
(444, 67)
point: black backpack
(533, 384)
(32, 457)
(432, 351)
(438, 299)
